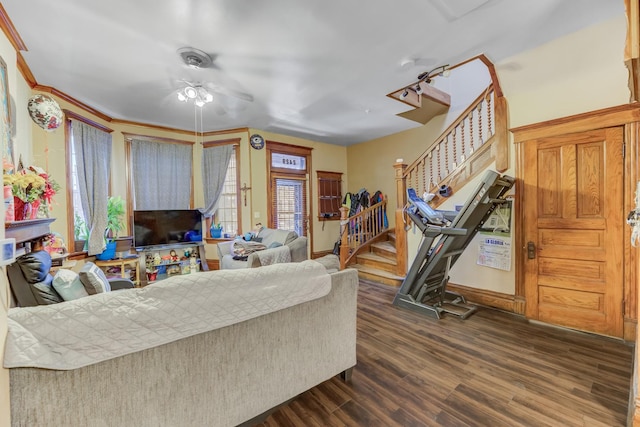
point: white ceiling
(319, 70)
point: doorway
(573, 205)
(289, 191)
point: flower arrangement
(30, 186)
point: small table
(122, 262)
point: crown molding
(131, 136)
(150, 126)
(71, 100)
(10, 31)
(75, 116)
(225, 132)
(24, 69)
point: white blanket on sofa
(88, 330)
(274, 255)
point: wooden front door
(574, 222)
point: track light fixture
(197, 93)
(442, 71)
(426, 77)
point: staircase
(379, 263)
(478, 138)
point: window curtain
(161, 175)
(93, 165)
(215, 161)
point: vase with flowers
(32, 189)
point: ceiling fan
(203, 92)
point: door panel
(573, 197)
(290, 205)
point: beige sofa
(273, 240)
(223, 377)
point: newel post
(501, 145)
(401, 233)
(344, 236)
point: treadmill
(446, 234)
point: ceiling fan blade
(230, 92)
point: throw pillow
(35, 265)
(274, 245)
(256, 239)
(68, 284)
(44, 293)
(93, 279)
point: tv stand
(168, 266)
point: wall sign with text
(288, 161)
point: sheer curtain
(93, 164)
(215, 161)
(161, 174)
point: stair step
(379, 262)
(391, 237)
(376, 275)
(385, 249)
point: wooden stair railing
(478, 137)
(360, 230)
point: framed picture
(5, 116)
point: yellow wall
(18, 90)
(577, 73)
(253, 169)
(325, 157)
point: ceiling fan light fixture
(404, 94)
(418, 89)
(190, 92)
(197, 93)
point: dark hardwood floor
(493, 369)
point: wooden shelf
(27, 230)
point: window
(227, 212)
(221, 182)
(90, 141)
(288, 187)
(161, 172)
(290, 203)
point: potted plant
(115, 224)
(80, 233)
(216, 231)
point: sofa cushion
(35, 265)
(270, 235)
(330, 262)
(44, 292)
(93, 279)
(68, 284)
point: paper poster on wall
(500, 220)
(495, 252)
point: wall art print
(5, 116)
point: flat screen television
(166, 227)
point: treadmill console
(430, 215)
